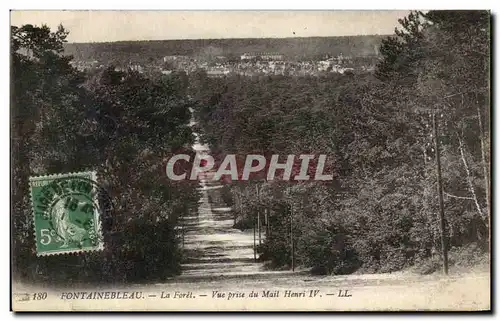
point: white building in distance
(267, 56)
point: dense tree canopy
(121, 125)
(380, 212)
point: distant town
(248, 64)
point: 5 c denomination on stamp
(66, 209)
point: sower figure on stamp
(66, 230)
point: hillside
(292, 48)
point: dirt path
(211, 246)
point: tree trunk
(485, 164)
(469, 180)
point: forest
(379, 214)
(119, 124)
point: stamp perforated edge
(100, 243)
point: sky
(103, 26)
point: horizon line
(232, 38)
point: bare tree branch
(459, 197)
(469, 178)
(484, 163)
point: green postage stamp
(66, 213)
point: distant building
(217, 72)
(130, 67)
(175, 58)
(267, 56)
(325, 65)
(85, 65)
(341, 59)
(136, 67)
(247, 56)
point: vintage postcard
(250, 160)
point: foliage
(121, 125)
(381, 212)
